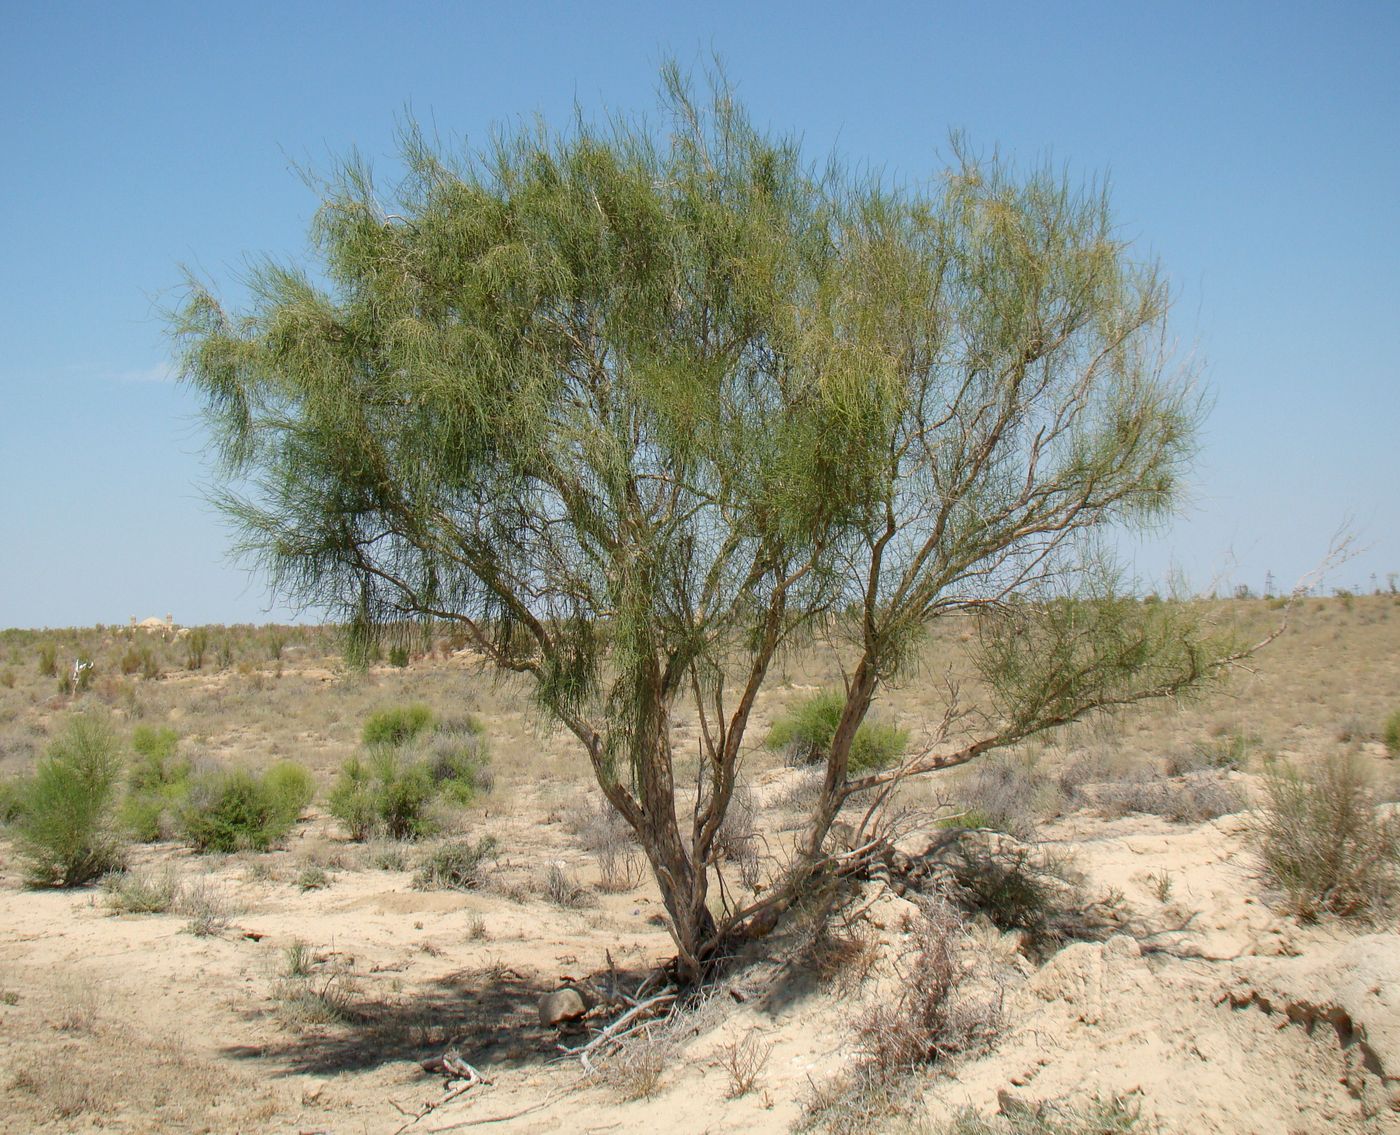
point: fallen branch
(458, 1071)
(642, 1011)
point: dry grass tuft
(1323, 843)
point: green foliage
(637, 405)
(459, 865)
(398, 656)
(196, 645)
(459, 759)
(157, 784)
(353, 799)
(64, 831)
(48, 659)
(291, 787)
(389, 794)
(1049, 662)
(404, 789)
(1390, 733)
(235, 810)
(1322, 842)
(397, 725)
(806, 730)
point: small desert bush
(459, 760)
(1390, 733)
(1228, 752)
(208, 908)
(12, 793)
(933, 1018)
(397, 725)
(236, 810)
(387, 793)
(314, 989)
(563, 889)
(144, 890)
(48, 660)
(65, 828)
(1110, 1116)
(459, 865)
(1188, 799)
(391, 789)
(805, 732)
(603, 832)
(196, 646)
(1023, 887)
(292, 786)
(1006, 795)
(157, 784)
(1323, 843)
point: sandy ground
(1213, 1014)
(1204, 1007)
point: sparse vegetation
(458, 865)
(1322, 842)
(1112, 1116)
(207, 907)
(744, 1060)
(1390, 733)
(397, 725)
(144, 890)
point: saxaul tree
(640, 408)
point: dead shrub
(1189, 799)
(1006, 795)
(1323, 843)
(634, 1070)
(563, 889)
(744, 1060)
(737, 839)
(933, 1018)
(602, 831)
(1022, 887)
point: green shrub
(1390, 733)
(352, 799)
(292, 788)
(64, 828)
(806, 731)
(388, 794)
(234, 811)
(398, 656)
(397, 726)
(12, 793)
(404, 791)
(1322, 842)
(196, 645)
(48, 660)
(459, 865)
(459, 760)
(156, 785)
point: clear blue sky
(1252, 147)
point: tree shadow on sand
(489, 1016)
